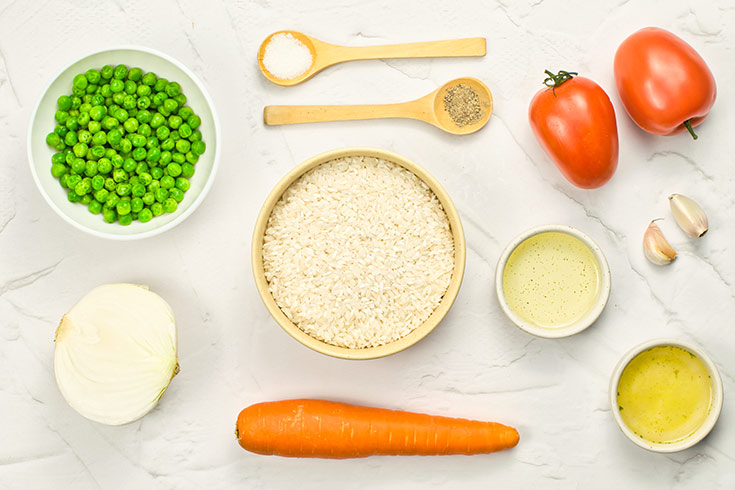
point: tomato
(664, 84)
(574, 121)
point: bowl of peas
(124, 143)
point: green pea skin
(160, 85)
(101, 195)
(123, 207)
(97, 100)
(83, 119)
(129, 165)
(172, 89)
(130, 88)
(118, 100)
(82, 187)
(154, 155)
(98, 182)
(80, 82)
(144, 117)
(109, 123)
(64, 102)
(131, 125)
(143, 102)
(176, 194)
(71, 138)
(98, 152)
(123, 189)
(61, 130)
(170, 105)
(156, 172)
(141, 168)
(104, 165)
(58, 169)
(105, 91)
(194, 121)
(185, 131)
(75, 102)
(138, 140)
(86, 199)
(185, 112)
(94, 127)
(121, 115)
(145, 178)
(125, 145)
(91, 89)
(138, 190)
(157, 100)
(91, 169)
(100, 139)
(119, 175)
(157, 120)
(183, 146)
(162, 133)
(174, 122)
(145, 215)
(84, 136)
(148, 198)
(180, 99)
(114, 136)
(95, 207)
(97, 113)
(168, 144)
(179, 158)
(162, 110)
(61, 116)
(136, 205)
(165, 158)
(143, 91)
(125, 220)
(117, 161)
(72, 196)
(161, 194)
(78, 165)
(53, 139)
(129, 102)
(154, 186)
(64, 181)
(170, 205)
(108, 214)
(120, 72)
(69, 157)
(80, 149)
(149, 79)
(157, 209)
(183, 184)
(73, 180)
(173, 169)
(58, 158)
(139, 154)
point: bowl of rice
(358, 253)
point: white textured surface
(475, 364)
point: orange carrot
(325, 429)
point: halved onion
(115, 353)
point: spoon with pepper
(324, 54)
(461, 106)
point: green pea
(114, 136)
(145, 130)
(61, 116)
(170, 205)
(110, 184)
(117, 161)
(73, 180)
(91, 169)
(53, 139)
(170, 105)
(136, 205)
(58, 169)
(130, 88)
(113, 200)
(71, 138)
(131, 125)
(125, 220)
(94, 127)
(78, 91)
(180, 99)
(97, 100)
(154, 154)
(129, 102)
(172, 89)
(183, 184)
(119, 175)
(145, 178)
(138, 190)
(123, 189)
(80, 82)
(78, 165)
(161, 194)
(165, 157)
(120, 72)
(84, 136)
(138, 140)
(163, 111)
(73, 196)
(125, 145)
(105, 91)
(157, 100)
(157, 209)
(121, 115)
(58, 158)
(109, 122)
(143, 102)
(61, 130)
(160, 85)
(179, 158)
(176, 194)
(95, 207)
(98, 151)
(185, 131)
(174, 122)
(168, 144)
(104, 165)
(64, 181)
(173, 169)
(154, 186)
(71, 123)
(149, 79)
(144, 117)
(100, 139)
(86, 199)
(69, 157)
(123, 207)
(80, 149)
(129, 165)
(183, 146)
(82, 187)
(64, 102)
(145, 215)
(98, 182)
(156, 173)
(194, 121)
(106, 72)
(118, 100)
(133, 181)
(139, 154)
(101, 195)
(116, 86)
(148, 198)
(135, 74)
(75, 102)
(91, 90)
(143, 91)
(83, 119)
(167, 182)
(157, 120)
(109, 214)
(97, 113)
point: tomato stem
(688, 125)
(557, 80)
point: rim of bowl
(709, 421)
(583, 323)
(369, 352)
(207, 185)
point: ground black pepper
(463, 105)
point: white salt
(286, 57)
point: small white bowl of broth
(666, 395)
(552, 281)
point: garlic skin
(688, 215)
(655, 246)
(115, 353)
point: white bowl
(581, 324)
(709, 421)
(42, 123)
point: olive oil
(664, 394)
(551, 280)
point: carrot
(325, 429)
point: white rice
(358, 252)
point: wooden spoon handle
(293, 114)
(473, 46)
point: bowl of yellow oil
(552, 281)
(666, 395)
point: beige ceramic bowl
(581, 324)
(371, 352)
(709, 421)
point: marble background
(475, 364)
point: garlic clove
(115, 353)
(655, 246)
(688, 215)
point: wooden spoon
(430, 108)
(325, 54)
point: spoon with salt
(324, 54)
(461, 106)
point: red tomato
(663, 82)
(574, 122)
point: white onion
(115, 353)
